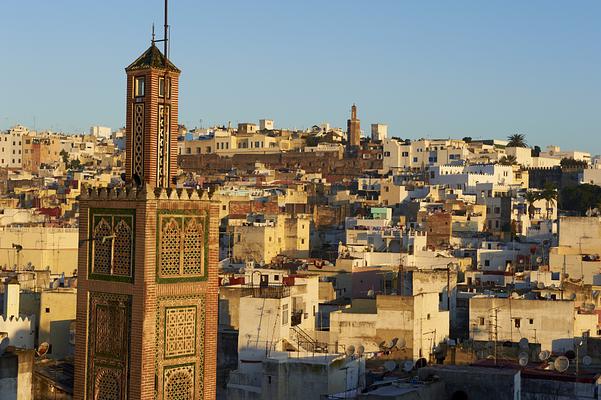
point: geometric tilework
(171, 247)
(108, 345)
(137, 161)
(102, 248)
(111, 243)
(180, 331)
(179, 361)
(179, 383)
(181, 246)
(193, 247)
(163, 145)
(107, 385)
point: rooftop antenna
(152, 41)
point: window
(481, 321)
(517, 322)
(47, 309)
(161, 87)
(285, 314)
(487, 263)
(139, 86)
(224, 207)
(386, 154)
(531, 321)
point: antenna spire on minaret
(165, 38)
(152, 41)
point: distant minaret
(353, 129)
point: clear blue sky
(428, 69)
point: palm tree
(517, 140)
(531, 197)
(549, 194)
(508, 160)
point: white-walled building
(11, 147)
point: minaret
(147, 267)
(353, 129)
(151, 125)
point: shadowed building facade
(147, 281)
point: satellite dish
(523, 343)
(407, 366)
(561, 363)
(570, 355)
(42, 349)
(389, 365)
(382, 345)
(523, 360)
(544, 355)
(587, 360)
(400, 343)
(370, 293)
(420, 363)
(360, 350)
(350, 350)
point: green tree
(508, 160)
(517, 140)
(531, 197)
(549, 194)
(580, 198)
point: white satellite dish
(400, 343)
(389, 365)
(370, 293)
(544, 355)
(523, 360)
(587, 360)
(407, 366)
(561, 363)
(350, 350)
(523, 343)
(360, 350)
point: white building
(379, 132)
(100, 131)
(19, 328)
(11, 147)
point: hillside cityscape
(252, 261)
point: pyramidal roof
(151, 58)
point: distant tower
(353, 126)
(147, 272)
(379, 132)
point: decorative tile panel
(137, 161)
(179, 383)
(163, 146)
(179, 361)
(182, 246)
(180, 331)
(108, 345)
(111, 244)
